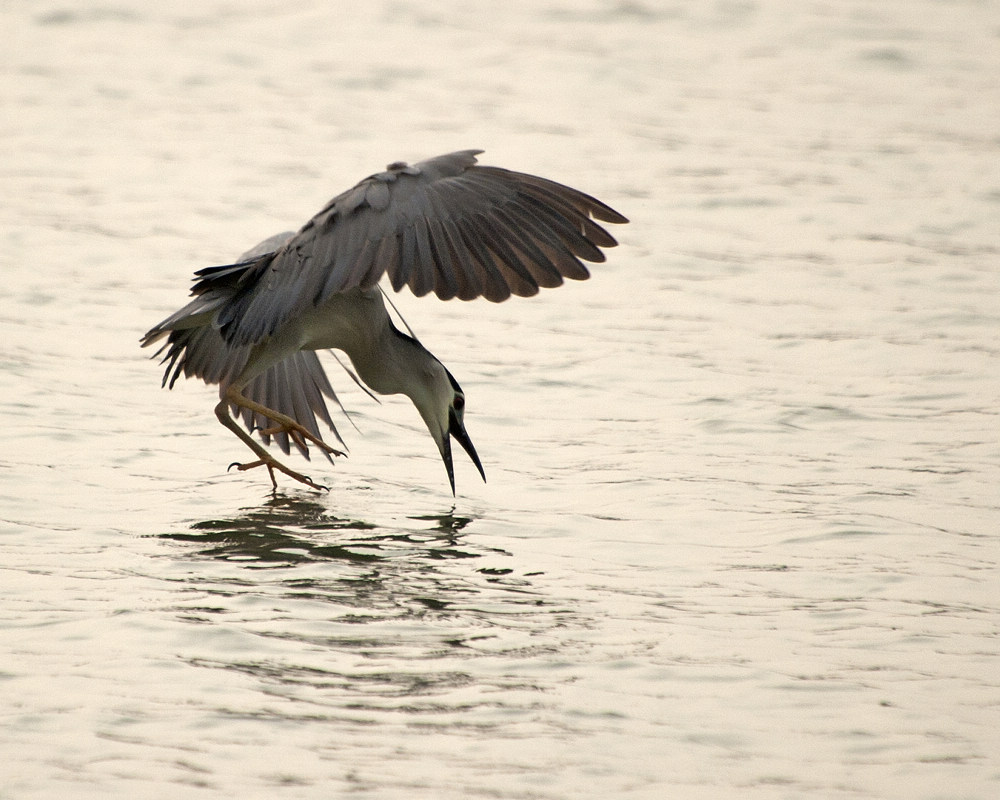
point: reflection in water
(446, 523)
(353, 615)
(283, 531)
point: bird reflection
(384, 621)
(283, 531)
(446, 523)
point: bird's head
(441, 403)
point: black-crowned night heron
(444, 225)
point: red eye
(459, 402)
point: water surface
(740, 532)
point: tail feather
(195, 348)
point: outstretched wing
(444, 225)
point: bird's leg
(265, 459)
(295, 436)
(259, 463)
(284, 423)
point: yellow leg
(265, 459)
(295, 436)
(285, 423)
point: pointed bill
(457, 429)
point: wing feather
(495, 286)
(445, 225)
(295, 386)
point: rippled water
(740, 532)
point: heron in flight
(445, 225)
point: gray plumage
(445, 225)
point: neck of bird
(394, 365)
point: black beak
(457, 429)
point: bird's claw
(300, 436)
(272, 464)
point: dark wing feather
(444, 225)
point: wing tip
(606, 213)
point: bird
(446, 225)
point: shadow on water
(292, 530)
